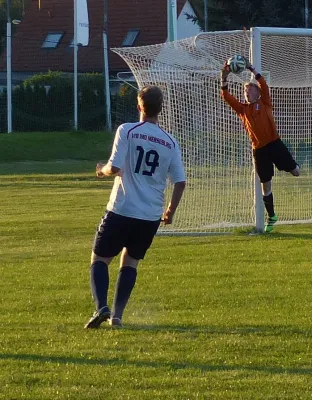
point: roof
(150, 17)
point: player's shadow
(191, 331)
(120, 361)
(258, 330)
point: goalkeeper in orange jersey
(268, 149)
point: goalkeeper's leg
(295, 171)
(283, 159)
(269, 205)
(265, 170)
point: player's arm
(117, 158)
(228, 98)
(176, 175)
(177, 193)
(263, 86)
(106, 170)
(264, 90)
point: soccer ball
(237, 64)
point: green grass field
(217, 317)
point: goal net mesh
(215, 148)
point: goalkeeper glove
(249, 65)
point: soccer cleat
(270, 222)
(98, 317)
(115, 322)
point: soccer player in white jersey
(142, 158)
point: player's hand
(167, 217)
(225, 71)
(98, 170)
(248, 64)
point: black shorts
(274, 153)
(116, 232)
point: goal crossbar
(283, 31)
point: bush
(3, 112)
(45, 102)
(124, 105)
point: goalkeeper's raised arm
(262, 85)
(250, 67)
(230, 99)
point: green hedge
(45, 102)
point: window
(52, 40)
(130, 37)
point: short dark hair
(150, 99)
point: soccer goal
(223, 192)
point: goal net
(222, 192)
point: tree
(237, 14)
(18, 8)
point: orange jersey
(257, 117)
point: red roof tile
(149, 16)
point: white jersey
(147, 156)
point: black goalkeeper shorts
(274, 153)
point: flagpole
(75, 68)
(306, 13)
(206, 15)
(106, 72)
(172, 20)
(9, 67)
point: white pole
(106, 84)
(258, 199)
(172, 25)
(75, 68)
(106, 72)
(9, 68)
(306, 13)
(206, 15)
(285, 31)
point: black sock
(99, 280)
(125, 284)
(268, 203)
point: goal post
(256, 34)
(255, 58)
(223, 191)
